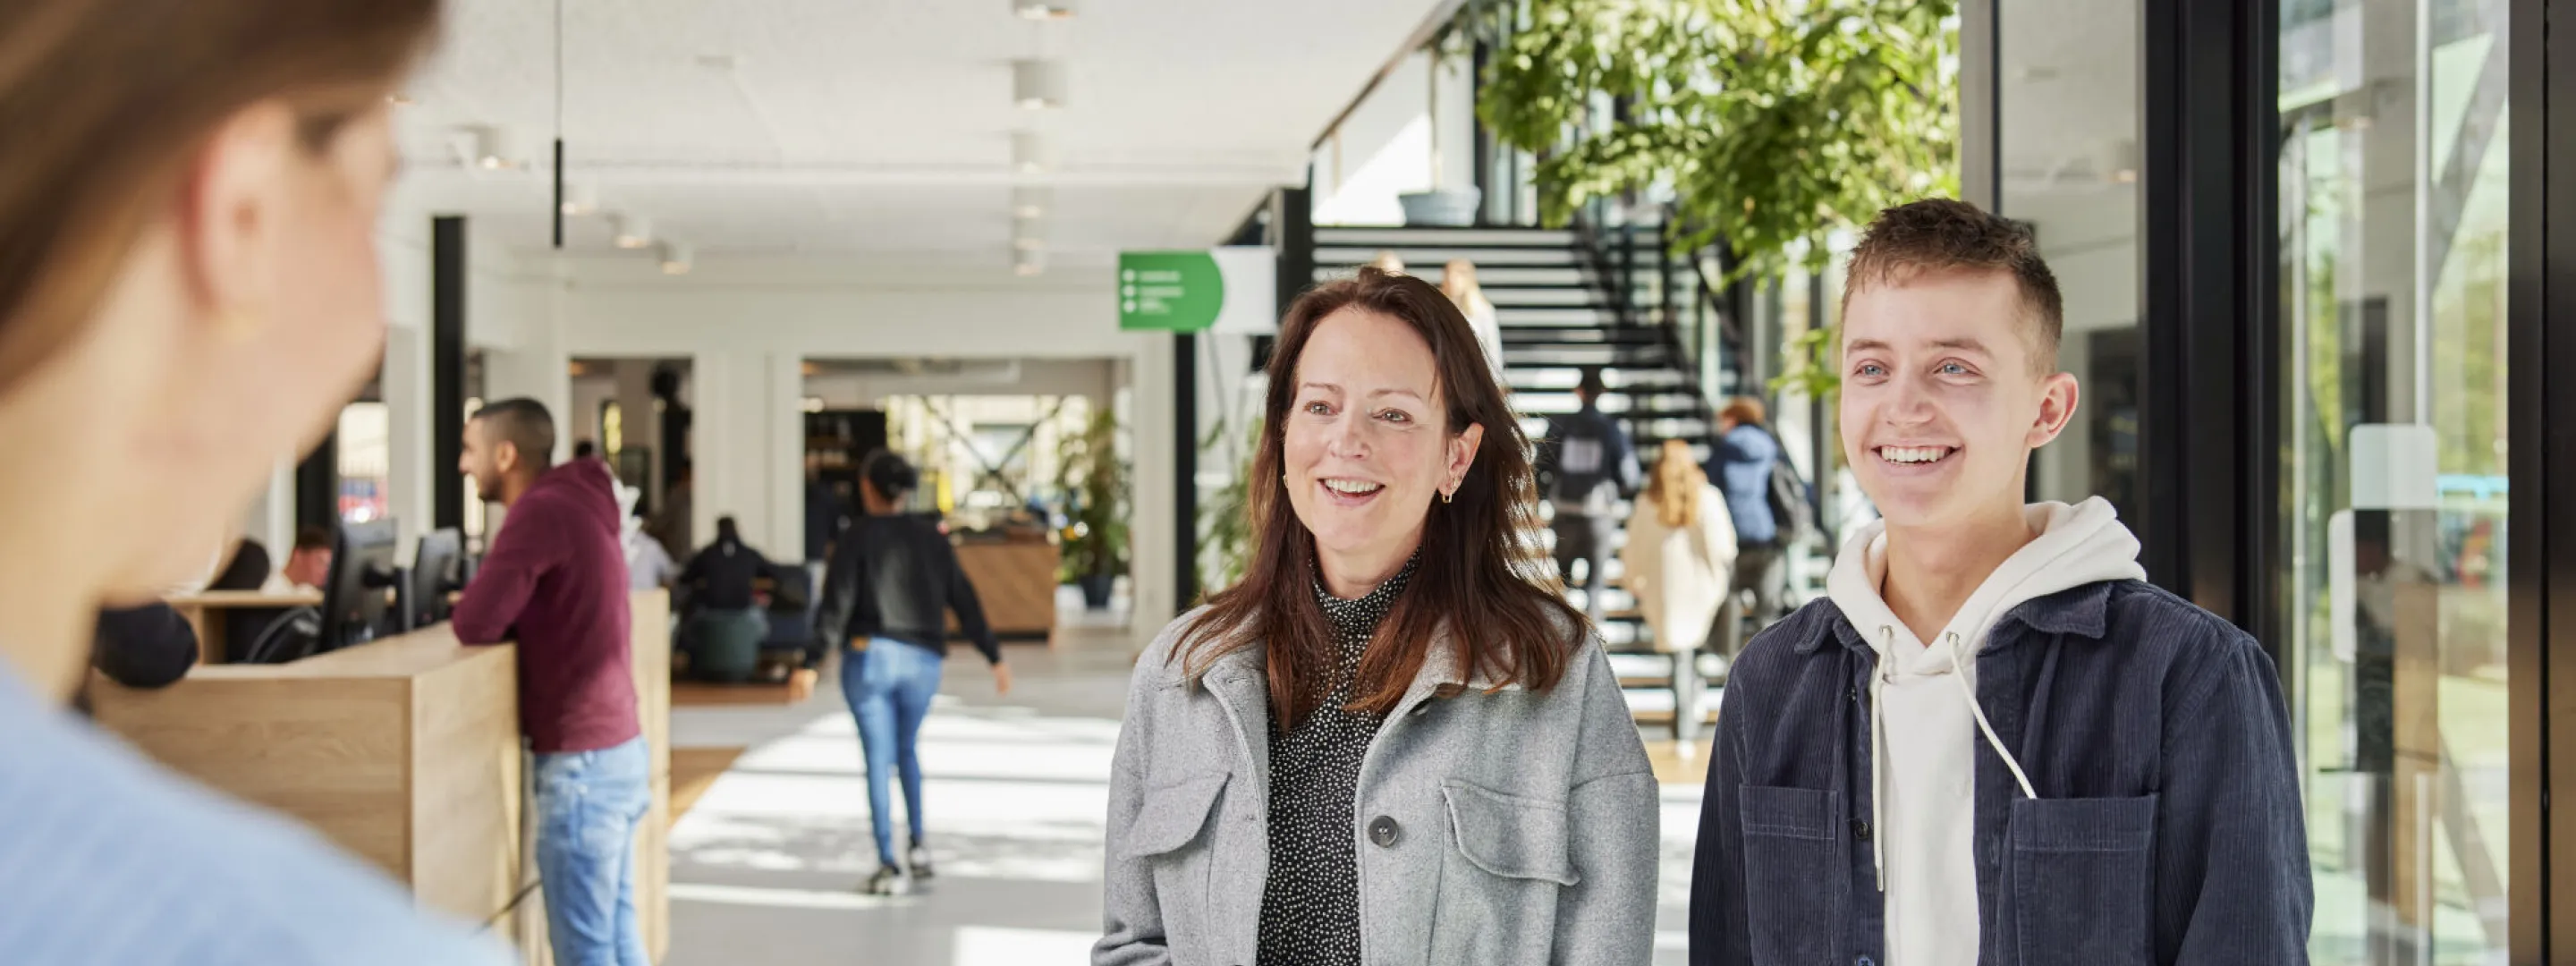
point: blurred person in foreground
(554, 583)
(1458, 281)
(188, 293)
(892, 583)
(1993, 741)
(1679, 551)
(1396, 703)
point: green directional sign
(1169, 291)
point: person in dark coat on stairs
(1588, 468)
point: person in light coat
(1393, 742)
(1680, 553)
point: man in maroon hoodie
(554, 581)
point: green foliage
(1774, 122)
(1811, 367)
(1095, 542)
(1225, 523)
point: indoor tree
(1773, 123)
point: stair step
(1618, 380)
(1557, 317)
(1545, 335)
(1664, 716)
(1517, 297)
(1611, 401)
(1424, 261)
(1622, 356)
(1445, 237)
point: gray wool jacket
(1514, 827)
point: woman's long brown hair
(107, 101)
(1482, 577)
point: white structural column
(782, 414)
(537, 367)
(750, 435)
(1146, 410)
(406, 389)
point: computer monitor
(435, 571)
(362, 571)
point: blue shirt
(2167, 827)
(1741, 468)
(107, 859)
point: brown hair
(1675, 485)
(1745, 411)
(1943, 235)
(1480, 578)
(108, 102)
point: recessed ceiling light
(1032, 152)
(496, 148)
(2125, 176)
(634, 231)
(581, 198)
(677, 258)
(1028, 202)
(398, 99)
(1029, 262)
(1042, 9)
(1037, 85)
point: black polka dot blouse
(1310, 913)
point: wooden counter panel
(467, 775)
(1015, 582)
(334, 757)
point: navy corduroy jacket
(2168, 827)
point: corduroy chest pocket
(2079, 881)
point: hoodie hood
(1925, 720)
(2076, 545)
(583, 486)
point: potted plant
(1095, 484)
(1225, 523)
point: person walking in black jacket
(892, 582)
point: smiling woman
(1396, 676)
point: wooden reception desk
(406, 752)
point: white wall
(1021, 377)
(1384, 148)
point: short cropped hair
(525, 423)
(1944, 235)
(312, 538)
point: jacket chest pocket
(1506, 865)
(1174, 836)
(2081, 880)
(1797, 888)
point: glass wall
(2067, 92)
(2392, 200)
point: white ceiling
(2071, 102)
(882, 128)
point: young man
(1994, 743)
(554, 581)
(308, 566)
(1586, 466)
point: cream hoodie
(1925, 720)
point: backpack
(1583, 466)
(1791, 510)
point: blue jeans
(889, 687)
(588, 804)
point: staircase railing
(1679, 297)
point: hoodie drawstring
(1877, 755)
(1980, 712)
(1878, 742)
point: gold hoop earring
(1449, 495)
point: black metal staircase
(1568, 299)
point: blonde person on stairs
(1677, 562)
(1993, 742)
